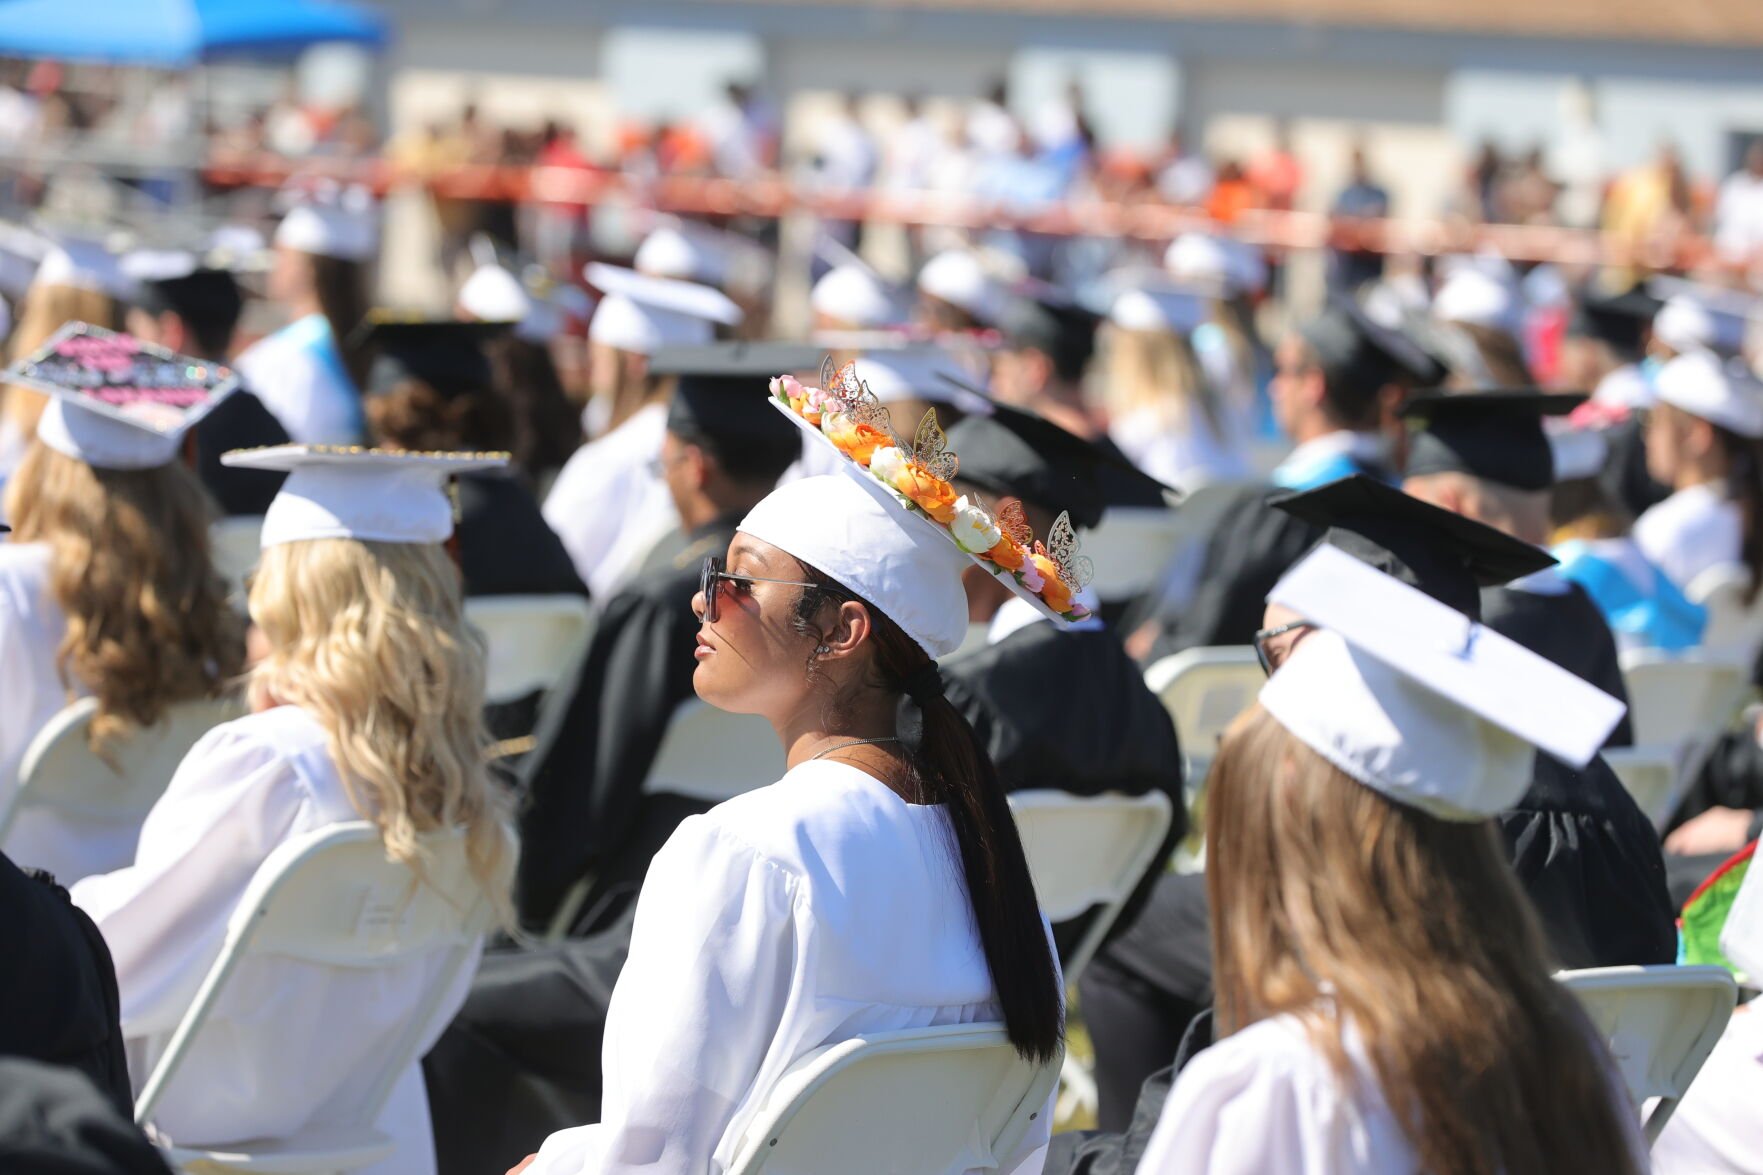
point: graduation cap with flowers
(917, 477)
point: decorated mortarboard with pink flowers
(918, 476)
(119, 402)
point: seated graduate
(1121, 739)
(1484, 455)
(107, 589)
(428, 390)
(609, 504)
(367, 706)
(1385, 1002)
(584, 810)
(1334, 378)
(879, 885)
(1704, 441)
(192, 304)
(1584, 854)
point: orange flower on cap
(1007, 554)
(1054, 592)
(854, 439)
(927, 491)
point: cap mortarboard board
(181, 282)
(1356, 350)
(1725, 392)
(118, 402)
(344, 492)
(1013, 453)
(720, 387)
(1419, 703)
(1496, 435)
(444, 353)
(643, 314)
(1064, 330)
(1619, 319)
(1438, 551)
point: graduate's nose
(698, 604)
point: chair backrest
(1086, 851)
(62, 773)
(1204, 689)
(712, 755)
(335, 899)
(1649, 774)
(1735, 625)
(928, 1101)
(235, 544)
(532, 640)
(1130, 547)
(1674, 697)
(1660, 1023)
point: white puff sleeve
(1265, 1100)
(697, 1010)
(231, 802)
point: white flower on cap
(958, 278)
(642, 314)
(1473, 297)
(676, 253)
(1726, 393)
(375, 495)
(850, 529)
(1417, 701)
(856, 297)
(1684, 324)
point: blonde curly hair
(147, 618)
(371, 639)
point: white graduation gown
(785, 920)
(608, 506)
(299, 375)
(290, 1045)
(1691, 531)
(1718, 1127)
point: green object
(1704, 915)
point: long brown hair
(949, 767)
(1413, 928)
(1744, 485)
(147, 617)
(343, 298)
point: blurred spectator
(1647, 203)
(741, 133)
(845, 160)
(1484, 182)
(1738, 216)
(1232, 194)
(1184, 177)
(1527, 194)
(1361, 199)
(1277, 174)
(559, 226)
(991, 128)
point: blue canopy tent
(177, 34)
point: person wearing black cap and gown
(193, 308)
(1048, 343)
(1584, 854)
(1121, 739)
(429, 387)
(1335, 378)
(1484, 454)
(523, 1056)
(1605, 350)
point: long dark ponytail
(1744, 483)
(949, 767)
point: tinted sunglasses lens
(707, 586)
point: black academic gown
(238, 422)
(1569, 630)
(58, 998)
(583, 804)
(1725, 771)
(505, 547)
(1117, 738)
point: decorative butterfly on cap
(852, 395)
(930, 448)
(1075, 569)
(1013, 523)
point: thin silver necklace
(856, 742)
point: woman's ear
(848, 632)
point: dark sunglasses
(712, 575)
(1267, 634)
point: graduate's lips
(704, 649)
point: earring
(823, 650)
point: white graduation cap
(959, 278)
(1201, 262)
(674, 251)
(643, 314)
(1697, 315)
(83, 264)
(117, 402)
(21, 252)
(1418, 702)
(340, 226)
(344, 492)
(920, 373)
(857, 297)
(1722, 391)
(493, 294)
(1173, 310)
(1472, 296)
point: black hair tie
(922, 687)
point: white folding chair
(929, 1101)
(235, 545)
(107, 797)
(332, 898)
(1735, 623)
(1649, 774)
(1086, 852)
(1677, 696)
(532, 641)
(1130, 547)
(1660, 1023)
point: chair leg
(1077, 1090)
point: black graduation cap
(1496, 435)
(1017, 454)
(181, 282)
(443, 353)
(1058, 326)
(720, 390)
(1619, 319)
(1438, 551)
(1357, 351)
